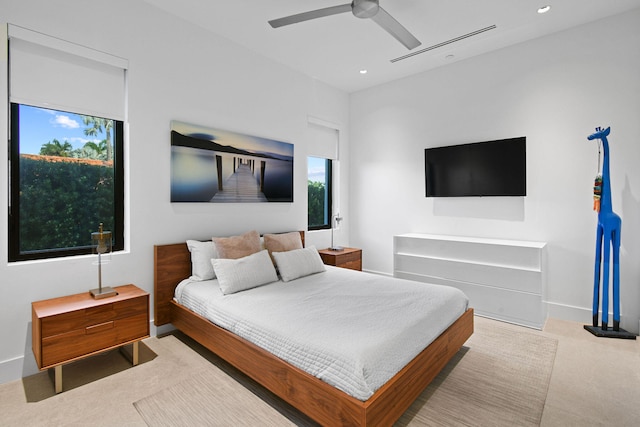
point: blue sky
(316, 169)
(39, 126)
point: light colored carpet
(84, 371)
(500, 378)
(210, 399)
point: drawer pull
(99, 328)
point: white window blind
(323, 141)
(48, 72)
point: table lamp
(101, 244)
(337, 219)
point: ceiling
(334, 49)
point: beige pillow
(282, 242)
(237, 246)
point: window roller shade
(323, 142)
(53, 73)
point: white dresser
(504, 279)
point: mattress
(351, 329)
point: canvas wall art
(219, 166)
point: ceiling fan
(364, 9)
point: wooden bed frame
(312, 396)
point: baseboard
(11, 370)
(380, 273)
(583, 315)
(163, 330)
(568, 312)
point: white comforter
(351, 329)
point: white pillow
(298, 263)
(201, 255)
(235, 275)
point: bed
(325, 403)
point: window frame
(328, 196)
(14, 195)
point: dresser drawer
(64, 323)
(353, 264)
(92, 338)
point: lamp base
(105, 292)
(336, 248)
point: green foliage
(61, 203)
(91, 150)
(96, 125)
(317, 203)
(56, 148)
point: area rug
(499, 378)
(215, 398)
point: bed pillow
(282, 242)
(298, 263)
(201, 255)
(235, 275)
(238, 246)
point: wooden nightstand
(346, 258)
(76, 326)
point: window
(323, 166)
(66, 160)
(66, 178)
(319, 193)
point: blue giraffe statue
(607, 238)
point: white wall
(555, 91)
(177, 71)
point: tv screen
(491, 168)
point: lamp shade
(336, 220)
(101, 243)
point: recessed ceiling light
(363, 71)
(544, 9)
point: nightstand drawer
(62, 323)
(355, 264)
(92, 338)
(80, 319)
(346, 258)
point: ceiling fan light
(365, 8)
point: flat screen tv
(490, 168)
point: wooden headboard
(171, 264)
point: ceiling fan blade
(306, 16)
(393, 27)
